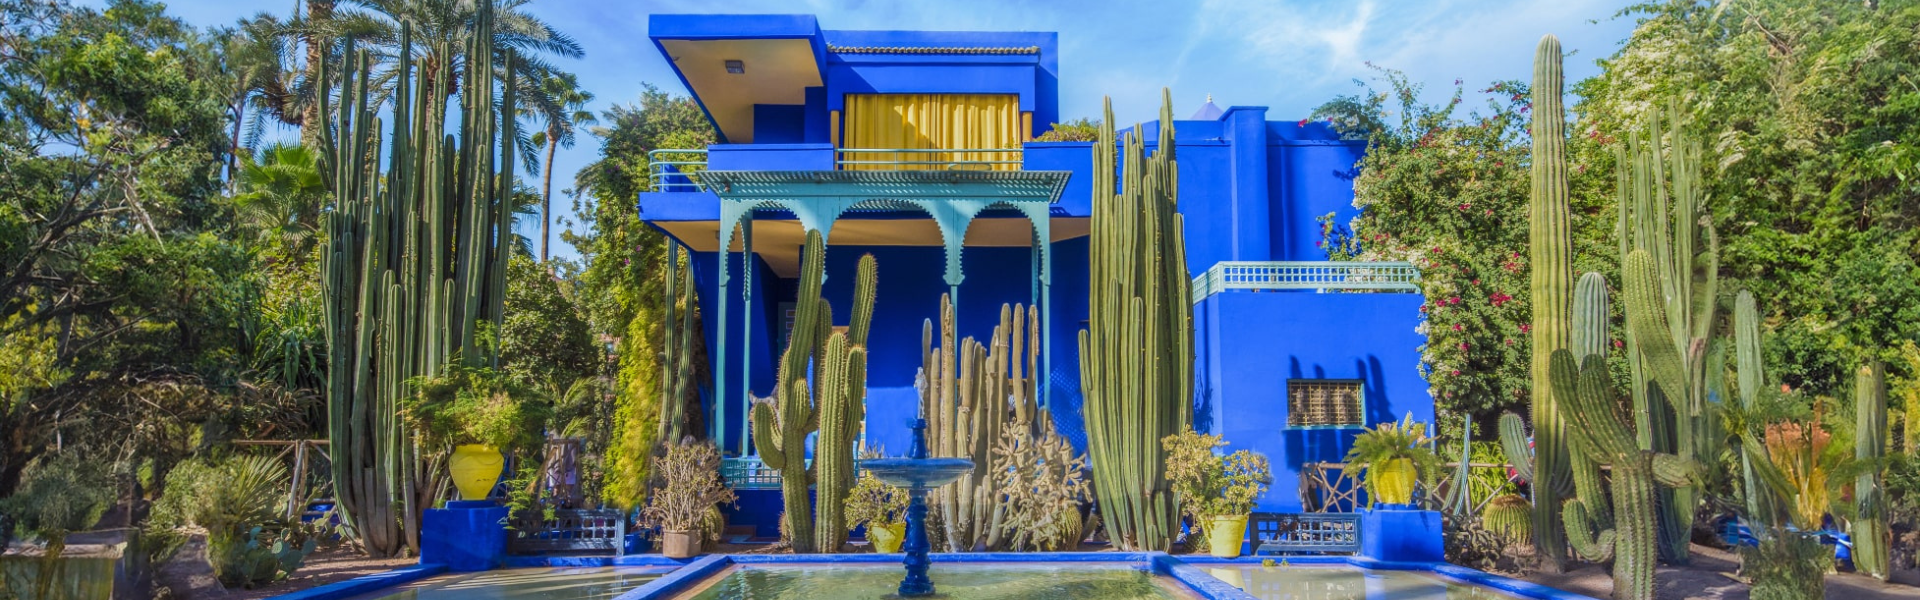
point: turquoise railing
(676, 170)
(1326, 276)
(671, 170)
(986, 159)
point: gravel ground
(1714, 576)
(188, 577)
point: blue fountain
(918, 474)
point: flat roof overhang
(782, 56)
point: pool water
(60, 579)
(526, 584)
(1347, 583)
(977, 581)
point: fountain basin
(958, 581)
(917, 472)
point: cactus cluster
(832, 402)
(676, 350)
(415, 262)
(1607, 435)
(973, 394)
(1871, 539)
(1136, 355)
(1551, 249)
(1662, 215)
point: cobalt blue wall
(1248, 344)
(911, 282)
(779, 124)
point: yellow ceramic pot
(886, 540)
(1224, 534)
(476, 467)
(1393, 481)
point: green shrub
(1081, 130)
(468, 405)
(58, 494)
(237, 502)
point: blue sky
(1288, 55)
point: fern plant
(1391, 441)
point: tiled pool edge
(365, 584)
(1184, 569)
(1523, 589)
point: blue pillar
(1251, 199)
(467, 535)
(1401, 535)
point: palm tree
(440, 32)
(565, 93)
(257, 57)
(280, 199)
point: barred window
(1325, 403)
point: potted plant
(691, 488)
(480, 414)
(1217, 492)
(882, 508)
(1394, 456)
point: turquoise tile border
(1185, 569)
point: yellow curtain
(934, 122)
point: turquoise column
(746, 331)
(720, 336)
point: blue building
(915, 146)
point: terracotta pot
(1393, 481)
(1224, 534)
(886, 540)
(680, 544)
(475, 467)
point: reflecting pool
(971, 581)
(1347, 583)
(594, 583)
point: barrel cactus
(1510, 516)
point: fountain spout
(918, 474)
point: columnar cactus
(1869, 527)
(1665, 219)
(676, 351)
(1607, 436)
(1752, 377)
(1136, 355)
(414, 261)
(973, 393)
(1551, 249)
(833, 403)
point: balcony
(1319, 276)
(677, 170)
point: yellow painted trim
(1026, 126)
(833, 124)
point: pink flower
(1476, 282)
(1619, 344)
(1526, 327)
(1509, 341)
(1463, 346)
(1456, 372)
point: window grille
(1325, 403)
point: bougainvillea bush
(1448, 192)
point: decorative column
(746, 334)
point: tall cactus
(676, 349)
(1662, 215)
(973, 392)
(1751, 378)
(833, 403)
(1136, 355)
(414, 262)
(1607, 436)
(1551, 247)
(1869, 527)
